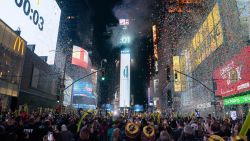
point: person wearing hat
(148, 133)
(177, 132)
(132, 131)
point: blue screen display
(83, 88)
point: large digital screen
(83, 94)
(38, 21)
(125, 79)
(82, 88)
(124, 21)
(233, 77)
(207, 39)
(237, 100)
(80, 57)
(138, 108)
(177, 76)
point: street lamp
(103, 60)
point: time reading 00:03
(33, 14)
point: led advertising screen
(237, 100)
(124, 21)
(82, 88)
(233, 77)
(80, 57)
(83, 94)
(177, 76)
(125, 79)
(38, 21)
(138, 108)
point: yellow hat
(132, 130)
(149, 132)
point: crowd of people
(53, 126)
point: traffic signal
(175, 76)
(103, 75)
(58, 98)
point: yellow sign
(19, 45)
(155, 42)
(177, 78)
(208, 38)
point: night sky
(105, 22)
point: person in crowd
(53, 126)
(187, 134)
(178, 131)
(116, 135)
(66, 135)
(84, 134)
(164, 136)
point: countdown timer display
(38, 21)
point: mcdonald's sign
(19, 45)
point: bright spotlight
(115, 113)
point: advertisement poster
(82, 88)
(233, 77)
(38, 21)
(125, 79)
(83, 96)
(80, 57)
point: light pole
(62, 78)
(105, 61)
(98, 84)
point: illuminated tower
(125, 79)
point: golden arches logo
(19, 45)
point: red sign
(234, 76)
(124, 21)
(80, 57)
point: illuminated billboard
(125, 40)
(124, 21)
(233, 77)
(138, 108)
(83, 95)
(80, 57)
(177, 77)
(125, 79)
(154, 30)
(82, 88)
(38, 21)
(237, 100)
(207, 39)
